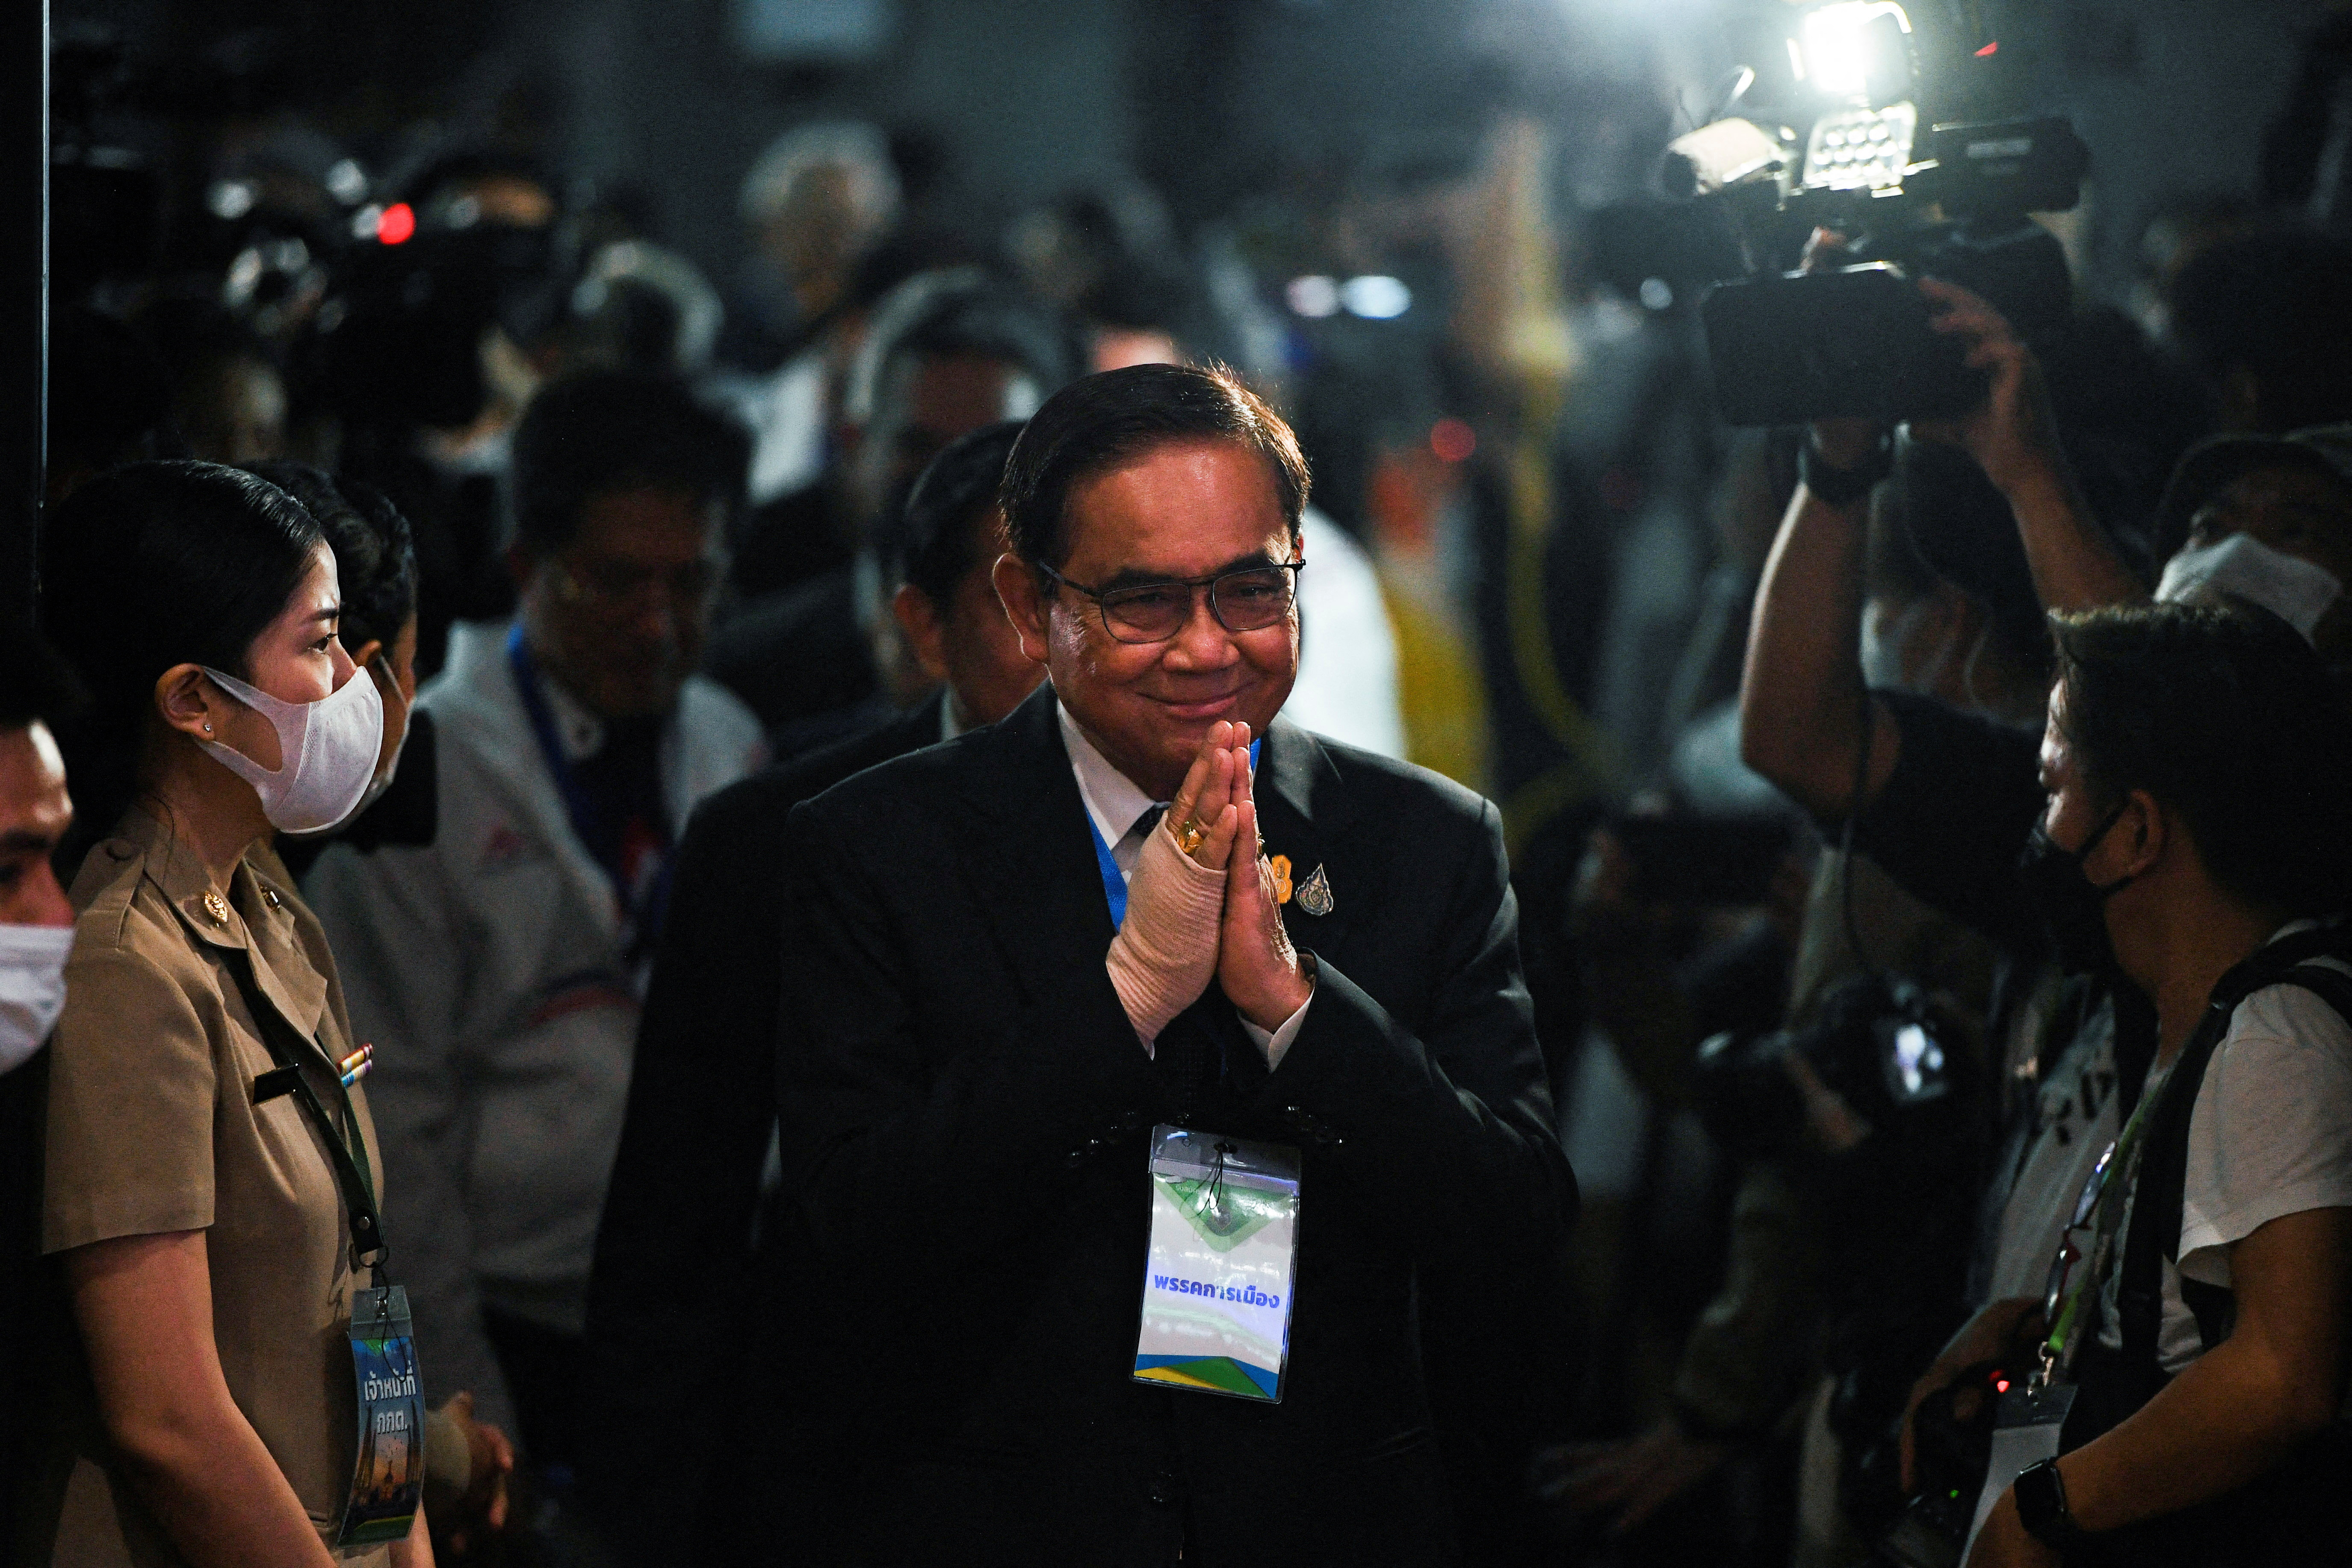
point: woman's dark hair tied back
(154, 566)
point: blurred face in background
(619, 613)
(34, 811)
(925, 402)
(969, 642)
(2298, 510)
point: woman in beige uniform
(207, 1249)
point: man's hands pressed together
(1255, 963)
(1209, 911)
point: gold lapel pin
(216, 907)
(1280, 867)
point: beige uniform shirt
(151, 1128)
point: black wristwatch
(1834, 486)
(2041, 1507)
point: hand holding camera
(2010, 432)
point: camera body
(1915, 195)
(1788, 347)
(1877, 1044)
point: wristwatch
(2041, 1507)
(1834, 486)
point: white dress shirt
(1117, 807)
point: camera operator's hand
(2001, 1331)
(1842, 443)
(1628, 1479)
(2012, 434)
(2003, 1542)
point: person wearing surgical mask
(2266, 519)
(190, 1187)
(35, 935)
(35, 921)
(377, 563)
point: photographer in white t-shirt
(2197, 760)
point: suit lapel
(1028, 850)
(1304, 813)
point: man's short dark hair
(36, 685)
(928, 541)
(1103, 421)
(375, 556)
(604, 432)
(2225, 715)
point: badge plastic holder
(388, 1480)
(1217, 1287)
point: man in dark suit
(973, 1053)
(698, 1409)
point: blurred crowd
(1852, 982)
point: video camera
(1901, 158)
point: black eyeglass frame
(1103, 597)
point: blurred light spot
(364, 221)
(230, 200)
(1375, 298)
(1313, 295)
(465, 212)
(397, 225)
(1989, 50)
(1657, 294)
(1452, 440)
(347, 182)
(2001, 1385)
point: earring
(208, 729)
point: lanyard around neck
(642, 912)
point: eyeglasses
(1247, 601)
(615, 589)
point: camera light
(230, 200)
(1376, 298)
(398, 224)
(1846, 48)
(1314, 296)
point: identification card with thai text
(1217, 1287)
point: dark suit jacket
(971, 1107)
(671, 1313)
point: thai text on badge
(1217, 1286)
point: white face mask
(32, 988)
(381, 782)
(1881, 654)
(2242, 566)
(328, 749)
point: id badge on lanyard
(1217, 1286)
(2027, 1424)
(388, 1481)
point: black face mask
(2074, 908)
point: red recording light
(397, 225)
(1452, 440)
(1989, 50)
(2001, 1385)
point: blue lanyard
(1114, 883)
(644, 915)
